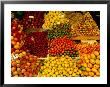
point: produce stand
(55, 44)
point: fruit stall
(55, 44)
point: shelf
(86, 38)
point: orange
(98, 73)
(88, 56)
(91, 74)
(92, 61)
(13, 42)
(97, 61)
(94, 70)
(96, 66)
(89, 65)
(87, 61)
(85, 73)
(85, 65)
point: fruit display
(86, 48)
(16, 34)
(82, 24)
(33, 19)
(59, 67)
(43, 44)
(36, 43)
(62, 46)
(59, 30)
(26, 65)
(52, 18)
(89, 64)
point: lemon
(56, 73)
(48, 75)
(73, 74)
(92, 61)
(42, 67)
(75, 70)
(53, 75)
(97, 61)
(88, 69)
(79, 71)
(70, 72)
(93, 56)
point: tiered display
(43, 44)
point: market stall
(55, 44)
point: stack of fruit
(59, 31)
(62, 46)
(85, 27)
(59, 67)
(36, 43)
(89, 64)
(33, 19)
(16, 34)
(53, 18)
(30, 43)
(87, 48)
(25, 65)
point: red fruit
(13, 42)
(28, 64)
(18, 65)
(13, 69)
(23, 71)
(13, 63)
(26, 74)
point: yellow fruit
(49, 70)
(75, 70)
(92, 61)
(89, 65)
(47, 65)
(94, 70)
(85, 57)
(53, 75)
(48, 75)
(71, 69)
(88, 56)
(24, 53)
(98, 57)
(93, 56)
(97, 61)
(91, 74)
(20, 55)
(96, 53)
(70, 72)
(68, 69)
(79, 71)
(82, 74)
(87, 61)
(98, 73)
(66, 65)
(96, 66)
(42, 67)
(88, 69)
(85, 73)
(56, 73)
(16, 46)
(74, 74)
(85, 64)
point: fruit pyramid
(84, 25)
